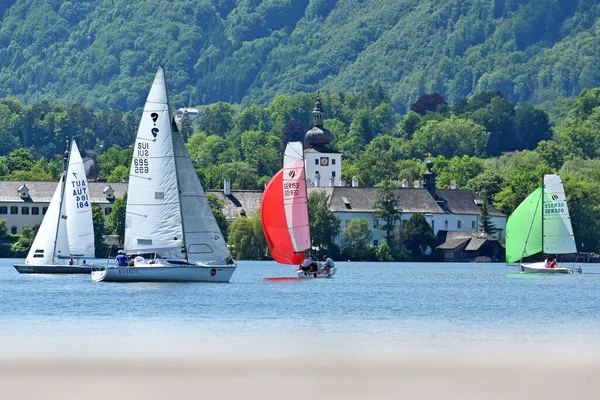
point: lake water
(376, 305)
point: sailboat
(66, 234)
(541, 224)
(167, 215)
(284, 213)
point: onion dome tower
(318, 137)
(429, 177)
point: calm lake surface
(372, 304)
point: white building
(191, 112)
(26, 203)
(323, 166)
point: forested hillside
(102, 53)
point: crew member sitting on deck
(139, 259)
(305, 266)
(552, 264)
(328, 264)
(121, 259)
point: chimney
(317, 179)
(405, 183)
(227, 187)
(453, 184)
(331, 181)
(416, 184)
(354, 181)
(341, 182)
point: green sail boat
(541, 224)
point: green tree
(356, 240)
(324, 225)
(24, 241)
(388, 208)
(116, 218)
(246, 239)
(99, 231)
(417, 235)
(217, 119)
(485, 220)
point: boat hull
(218, 273)
(312, 275)
(52, 269)
(540, 268)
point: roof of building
(41, 192)
(239, 203)
(361, 199)
(460, 201)
(455, 239)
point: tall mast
(66, 158)
(542, 204)
(176, 174)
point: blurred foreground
(260, 372)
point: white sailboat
(66, 236)
(168, 216)
(541, 224)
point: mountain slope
(103, 53)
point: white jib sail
(295, 201)
(558, 235)
(42, 249)
(203, 239)
(77, 207)
(153, 219)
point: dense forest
(102, 53)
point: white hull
(312, 275)
(161, 273)
(540, 268)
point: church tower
(323, 165)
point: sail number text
(554, 208)
(291, 189)
(140, 165)
(80, 194)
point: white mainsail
(153, 218)
(557, 231)
(77, 208)
(295, 202)
(43, 247)
(204, 241)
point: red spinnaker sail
(274, 223)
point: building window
(13, 230)
(375, 222)
(25, 210)
(473, 225)
(14, 210)
(375, 242)
(44, 209)
(458, 224)
(3, 210)
(317, 161)
(333, 161)
(446, 224)
(107, 210)
(35, 210)
(347, 222)
(433, 225)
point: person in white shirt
(328, 264)
(139, 259)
